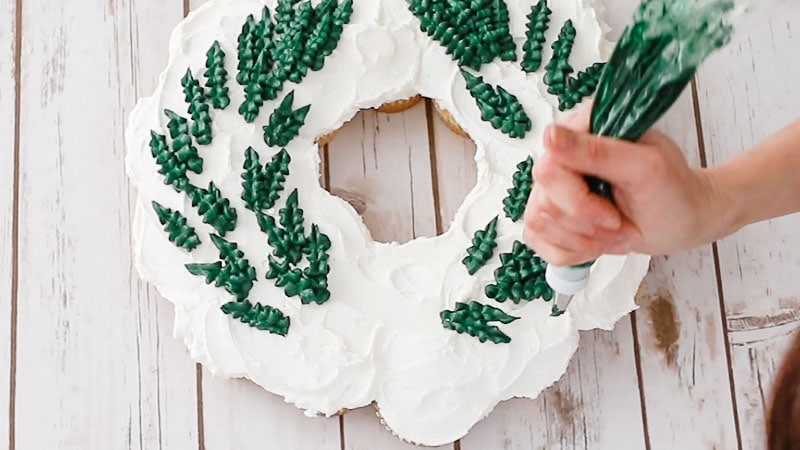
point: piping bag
(655, 59)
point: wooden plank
(382, 161)
(681, 334)
(88, 331)
(8, 129)
(744, 98)
(595, 405)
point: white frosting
(380, 337)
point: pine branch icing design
(521, 277)
(258, 316)
(581, 86)
(476, 320)
(262, 185)
(285, 123)
(182, 147)
(198, 108)
(215, 209)
(498, 107)
(217, 77)
(233, 272)
(175, 225)
(483, 245)
(538, 23)
(299, 40)
(514, 204)
(473, 32)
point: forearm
(761, 183)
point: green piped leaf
(180, 234)
(538, 23)
(285, 123)
(233, 272)
(198, 108)
(475, 319)
(581, 86)
(473, 32)
(498, 107)
(515, 203)
(215, 209)
(483, 244)
(262, 186)
(182, 147)
(173, 170)
(258, 316)
(558, 70)
(217, 77)
(521, 277)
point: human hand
(662, 204)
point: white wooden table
(87, 357)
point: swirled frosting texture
(380, 337)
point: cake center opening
(404, 170)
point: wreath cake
(276, 280)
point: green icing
(473, 32)
(558, 70)
(198, 108)
(521, 277)
(262, 186)
(233, 272)
(265, 318)
(538, 23)
(581, 86)
(475, 319)
(498, 107)
(288, 241)
(285, 123)
(180, 234)
(217, 77)
(517, 200)
(314, 288)
(215, 209)
(483, 244)
(185, 153)
(173, 170)
(300, 39)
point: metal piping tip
(560, 304)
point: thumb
(616, 161)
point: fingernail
(562, 137)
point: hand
(661, 204)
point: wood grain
(595, 405)
(744, 97)
(8, 130)
(682, 335)
(96, 366)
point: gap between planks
(637, 358)
(12, 404)
(717, 270)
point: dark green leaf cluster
(581, 86)
(538, 22)
(474, 32)
(300, 39)
(290, 244)
(233, 272)
(285, 123)
(262, 185)
(521, 277)
(215, 209)
(514, 204)
(498, 107)
(265, 318)
(198, 108)
(217, 77)
(558, 70)
(483, 244)
(182, 157)
(474, 319)
(180, 234)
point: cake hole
(405, 173)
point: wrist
(729, 200)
